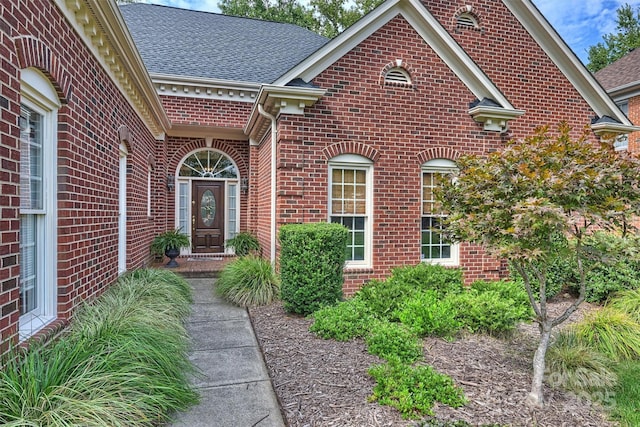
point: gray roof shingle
(210, 45)
(624, 71)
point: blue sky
(581, 23)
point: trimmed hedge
(312, 257)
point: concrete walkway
(234, 386)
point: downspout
(274, 139)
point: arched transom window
(208, 164)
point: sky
(581, 23)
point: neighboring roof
(624, 72)
(209, 45)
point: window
(622, 141)
(38, 220)
(350, 204)
(434, 246)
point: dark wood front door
(207, 220)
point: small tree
(526, 201)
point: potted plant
(169, 243)
(243, 243)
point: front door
(207, 220)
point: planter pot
(172, 253)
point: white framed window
(621, 143)
(38, 202)
(351, 204)
(434, 246)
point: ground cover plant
(413, 390)
(248, 281)
(418, 301)
(123, 362)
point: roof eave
(564, 58)
(608, 128)
(278, 100)
(429, 29)
(102, 28)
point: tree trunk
(535, 397)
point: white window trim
(354, 161)
(188, 180)
(37, 94)
(439, 166)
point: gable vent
(397, 76)
(466, 20)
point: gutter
(274, 140)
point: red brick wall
(206, 112)
(634, 116)
(88, 158)
(404, 125)
(510, 57)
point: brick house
(119, 123)
(621, 80)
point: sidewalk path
(234, 386)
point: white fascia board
(427, 27)
(100, 25)
(564, 58)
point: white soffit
(429, 29)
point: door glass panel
(208, 208)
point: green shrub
(385, 297)
(348, 320)
(312, 258)
(248, 281)
(413, 390)
(574, 366)
(425, 276)
(122, 363)
(560, 274)
(393, 341)
(243, 243)
(506, 289)
(611, 332)
(627, 301)
(429, 313)
(612, 264)
(488, 311)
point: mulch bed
(325, 382)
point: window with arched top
(208, 164)
(435, 246)
(397, 76)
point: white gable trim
(567, 62)
(434, 34)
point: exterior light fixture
(171, 182)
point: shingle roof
(202, 44)
(622, 72)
